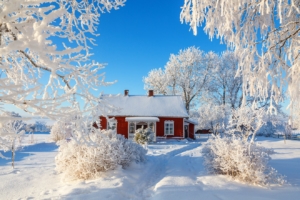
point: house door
(186, 131)
(133, 126)
(143, 125)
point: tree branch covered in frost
(266, 34)
(225, 88)
(295, 121)
(247, 121)
(241, 160)
(186, 74)
(30, 53)
(82, 161)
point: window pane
(131, 128)
(169, 128)
(151, 126)
(112, 125)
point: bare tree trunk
(13, 156)
(187, 106)
(224, 94)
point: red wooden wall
(122, 126)
(103, 122)
(192, 131)
(178, 127)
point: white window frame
(168, 131)
(153, 126)
(111, 123)
(134, 127)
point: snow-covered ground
(174, 170)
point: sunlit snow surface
(174, 170)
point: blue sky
(141, 36)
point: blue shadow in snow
(27, 151)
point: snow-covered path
(174, 170)
(163, 159)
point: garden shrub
(240, 159)
(143, 136)
(85, 161)
(60, 131)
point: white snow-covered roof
(147, 119)
(144, 106)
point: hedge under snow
(83, 161)
(240, 159)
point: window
(169, 127)
(151, 126)
(131, 127)
(112, 124)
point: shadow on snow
(27, 151)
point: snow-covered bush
(60, 131)
(143, 136)
(240, 159)
(110, 150)
(246, 121)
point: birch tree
(266, 34)
(225, 86)
(156, 80)
(11, 134)
(44, 54)
(186, 73)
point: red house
(164, 114)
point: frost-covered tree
(10, 134)
(225, 87)
(247, 120)
(186, 73)
(60, 131)
(40, 126)
(213, 117)
(295, 115)
(156, 80)
(266, 35)
(44, 54)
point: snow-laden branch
(45, 51)
(266, 34)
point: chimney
(150, 93)
(126, 92)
